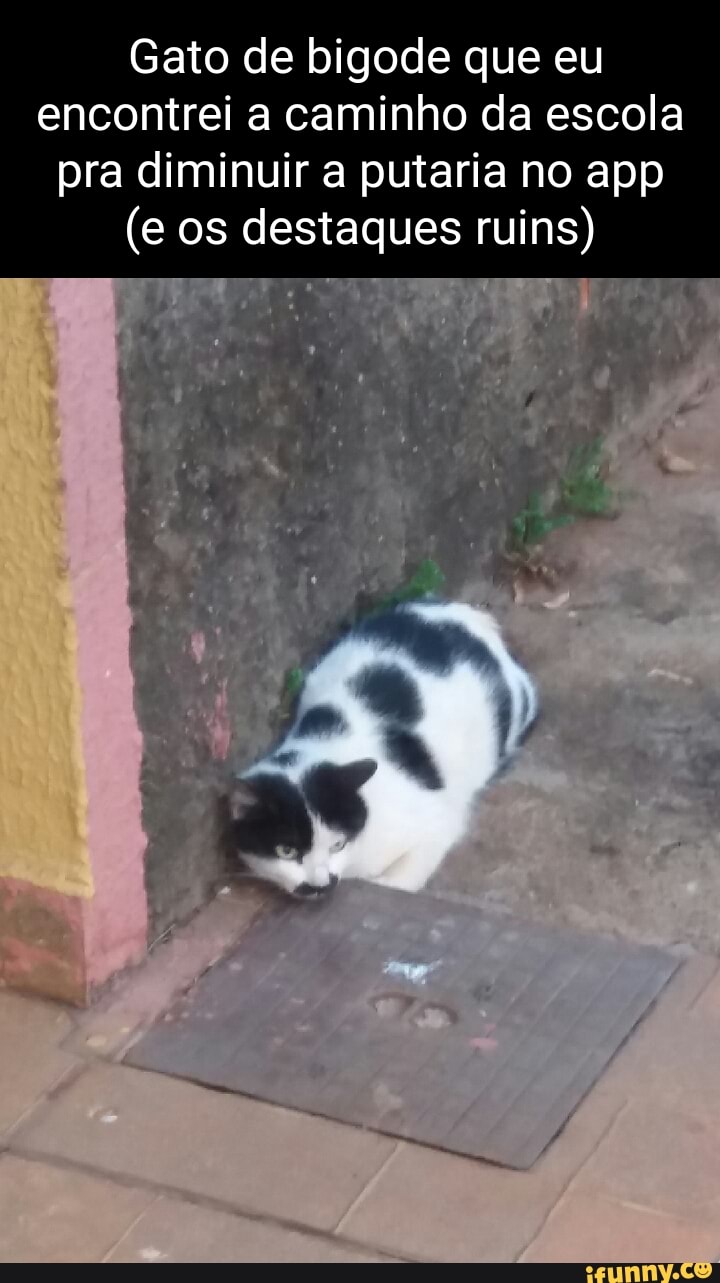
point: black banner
(163, 146)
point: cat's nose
(308, 891)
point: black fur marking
(529, 726)
(411, 755)
(332, 793)
(321, 720)
(279, 817)
(524, 706)
(426, 643)
(503, 768)
(286, 758)
(389, 692)
(438, 648)
(503, 706)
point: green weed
(534, 523)
(428, 579)
(294, 679)
(584, 490)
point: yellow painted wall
(43, 804)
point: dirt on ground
(610, 818)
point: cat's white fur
(409, 829)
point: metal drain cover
(410, 1015)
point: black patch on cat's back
(438, 646)
(528, 723)
(389, 693)
(426, 643)
(322, 720)
(474, 651)
(285, 758)
(279, 818)
(524, 706)
(410, 754)
(503, 710)
(339, 808)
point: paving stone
(252, 1156)
(708, 1004)
(675, 1053)
(50, 1215)
(586, 1229)
(31, 1061)
(179, 1233)
(435, 1206)
(661, 1157)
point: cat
(398, 727)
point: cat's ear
(241, 799)
(355, 774)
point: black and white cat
(398, 727)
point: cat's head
(295, 833)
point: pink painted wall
(91, 449)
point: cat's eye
(285, 852)
(339, 846)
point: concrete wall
(291, 443)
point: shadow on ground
(611, 818)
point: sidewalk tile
(50, 1216)
(593, 1230)
(250, 1155)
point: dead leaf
(530, 566)
(674, 464)
(556, 602)
(653, 437)
(518, 593)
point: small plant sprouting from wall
(583, 491)
(534, 523)
(427, 580)
(294, 679)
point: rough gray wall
(291, 443)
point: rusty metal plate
(413, 1016)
